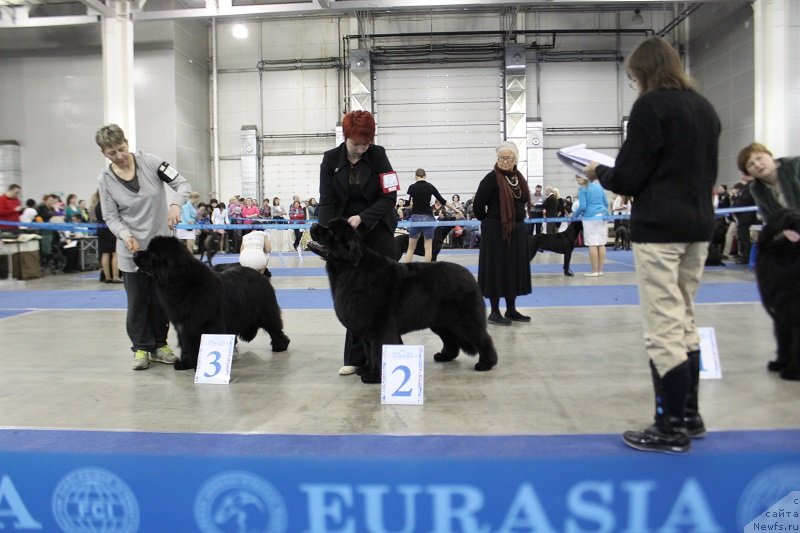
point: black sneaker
(498, 319)
(653, 439)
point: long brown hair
(656, 65)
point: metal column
(516, 102)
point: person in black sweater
(421, 192)
(668, 163)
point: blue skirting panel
(101, 481)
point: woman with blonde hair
(668, 162)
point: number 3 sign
(402, 374)
(214, 359)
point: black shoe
(516, 316)
(776, 366)
(498, 319)
(653, 439)
(695, 426)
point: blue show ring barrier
(82, 227)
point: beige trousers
(669, 276)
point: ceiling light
(637, 17)
(240, 31)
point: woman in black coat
(503, 267)
(356, 182)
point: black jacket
(668, 163)
(334, 189)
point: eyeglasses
(632, 84)
(506, 158)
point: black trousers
(146, 322)
(380, 239)
(743, 240)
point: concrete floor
(573, 370)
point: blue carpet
(559, 296)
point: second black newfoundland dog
(777, 273)
(379, 299)
(238, 301)
(561, 243)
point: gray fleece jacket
(142, 214)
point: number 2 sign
(402, 374)
(214, 359)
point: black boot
(668, 433)
(694, 422)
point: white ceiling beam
(99, 6)
(39, 22)
(224, 9)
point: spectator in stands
(550, 207)
(266, 210)
(84, 211)
(468, 211)
(668, 164)
(29, 213)
(278, 212)
(776, 181)
(458, 205)
(355, 183)
(11, 207)
(249, 213)
(46, 210)
(312, 207)
(503, 267)
(593, 206)
(297, 214)
(219, 217)
(189, 216)
(568, 205)
(421, 192)
(235, 217)
(136, 210)
(72, 213)
(537, 209)
(106, 244)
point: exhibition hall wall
(436, 86)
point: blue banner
(97, 481)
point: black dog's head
(338, 241)
(781, 235)
(163, 254)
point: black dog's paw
(776, 366)
(180, 364)
(568, 273)
(790, 374)
(443, 358)
(280, 344)
(482, 366)
(371, 377)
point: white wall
(52, 105)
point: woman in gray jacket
(135, 209)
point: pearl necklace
(516, 191)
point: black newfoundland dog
(777, 273)
(561, 243)
(379, 299)
(197, 300)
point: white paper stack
(578, 156)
